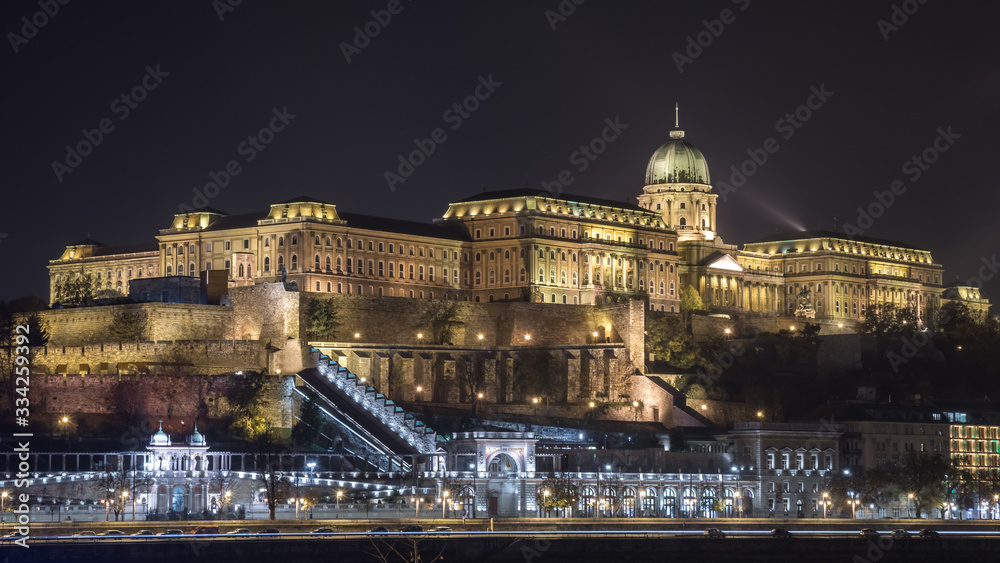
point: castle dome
(677, 162)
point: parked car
(929, 533)
(869, 533)
(171, 532)
(144, 533)
(378, 530)
(239, 531)
(206, 530)
(322, 531)
(715, 533)
(412, 528)
(85, 534)
(268, 531)
(113, 533)
(440, 530)
(900, 534)
(781, 533)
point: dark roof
(804, 235)
(88, 242)
(235, 221)
(355, 220)
(528, 192)
(126, 249)
(209, 210)
(303, 199)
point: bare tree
(471, 372)
(403, 549)
(115, 484)
(267, 455)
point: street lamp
(909, 501)
(229, 497)
(635, 405)
(545, 501)
(444, 502)
(3, 523)
(826, 502)
(339, 494)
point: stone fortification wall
(399, 321)
(167, 397)
(709, 327)
(267, 311)
(167, 321)
(161, 358)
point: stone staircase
(386, 414)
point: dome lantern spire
(677, 133)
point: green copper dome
(677, 162)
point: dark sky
(939, 69)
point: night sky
(219, 80)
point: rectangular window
(208, 247)
(421, 273)
(246, 243)
(430, 274)
(411, 271)
(227, 245)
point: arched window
(479, 257)
(281, 241)
(295, 240)
(267, 263)
(479, 277)
(575, 278)
(340, 242)
(683, 221)
(317, 244)
(506, 275)
(521, 275)
(180, 269)
(295, 261)
(316, 263)
(493, 277)
(170, 270)
(241, 270)
(562, 277)
(541, 275)
(267, 242)
(506, 255)
(281, 261)
(328, 262)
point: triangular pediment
(722, 261)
